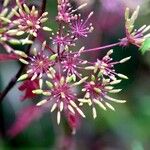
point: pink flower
(97, 92)
(62, 40)
(60, 95)
(38, 63)
(66, 12)
(71, 64)
(29, 21)
(60, 71)
(105, 67)
(79, 27)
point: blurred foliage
(145, 46)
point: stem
(41, 40)
(43, 7)
(11, 83)
(60, 32)
(2, 126)
(99, 48)
(15, 78)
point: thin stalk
(58, 45)
(99, 48)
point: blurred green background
(128, 128)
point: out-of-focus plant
(57, 72)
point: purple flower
(105, 67)
(60, 95)
(63, 71)
(62, 40)
(38, 64)
(97, 92)
(29, 21)
(79, 27)
(65, 11)
(71, 64)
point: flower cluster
(54, 70)
(97, 92)
(60, 71)
(79, 27)
(5, 25)
(38, 63)
(17, 21)
(134, 36)
(105, 67)
(66, 12)
(60, 94)
(29, 21)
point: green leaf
(145, 46)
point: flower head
(63, 71)
(97, 92)
(71, 64)
(38, 63)
(79, 27)
(66, 12)
(6, 25)
(105, 67)
(134, 36)
(29, 21)
(60, 94)
(62, 40)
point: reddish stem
(99, 48)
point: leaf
(27, 87)
(145, 46)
